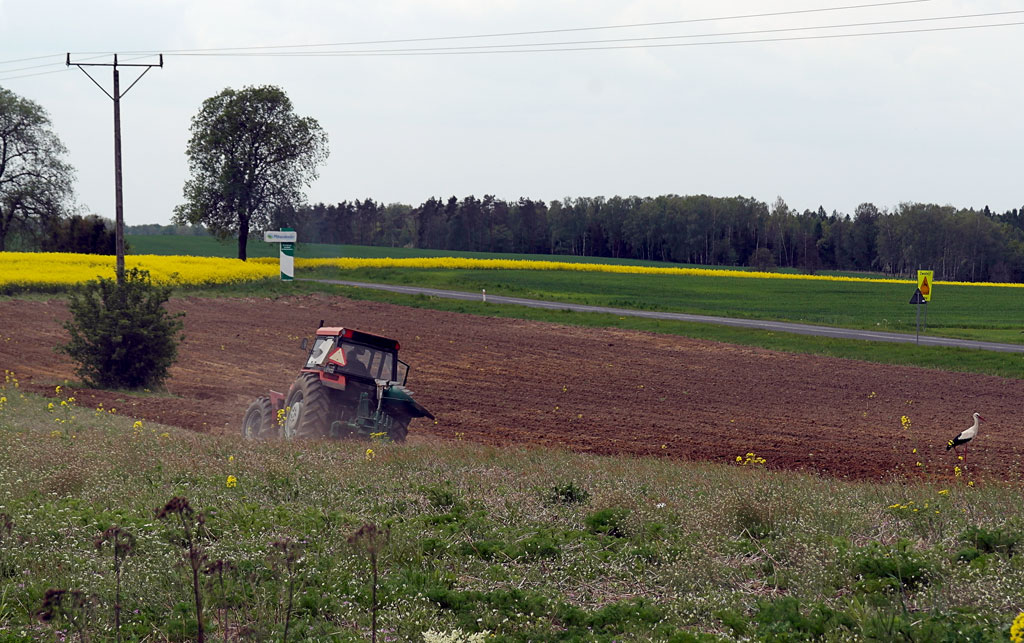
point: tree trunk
(243, 237)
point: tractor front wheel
(258, 419)
(308, 404)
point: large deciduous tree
(35, 181)
(249, 155)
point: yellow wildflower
(232, 481)
(231, 458)
(943, 492)
(137, 425)
(49, 407)
(1017, 629)
(369, 455)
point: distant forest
(958, 244)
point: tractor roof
(358, 336)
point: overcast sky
(931, 116)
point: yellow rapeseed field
(454, 263)
(49, 269)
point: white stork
(965, 436)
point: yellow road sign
(924, 283)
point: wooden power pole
(116, 97)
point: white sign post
(287, 238)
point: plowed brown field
(509, 382)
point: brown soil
(500, 381)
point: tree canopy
(959, 244)
(249, 155)
(35, 181)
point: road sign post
(925, 285)
(921, 297)
(918, 299)
(287, 238)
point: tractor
(352, 385)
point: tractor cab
(338, 352)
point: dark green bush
(121, 335)
(784, 620)
(568, 494)
(611, 522)
(992, 541)
(894, 568)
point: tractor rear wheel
(258, 419)
(308, 404)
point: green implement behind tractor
(352, 385)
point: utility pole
(116, 97)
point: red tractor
(352, 384)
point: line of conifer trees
(958, 244)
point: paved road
(782, 327)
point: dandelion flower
(369, 455)
(1017, 629)
(231, 458)
(49, 407)
(137, 425)
(232, 481)
(943, 492)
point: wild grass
(522, 544)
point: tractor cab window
(368, 361)
(321, 349)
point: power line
(645, 42)
(562, 44)
(689, 44)
(22, 60)
(62, 67)
(545, 31)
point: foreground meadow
(525, 545)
